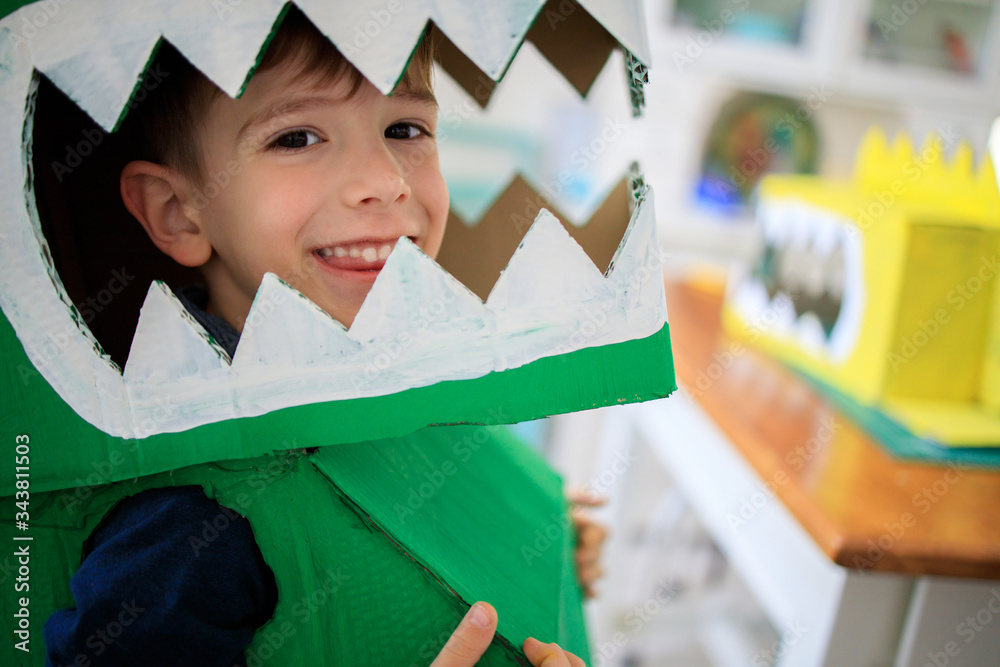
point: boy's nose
(376, 180)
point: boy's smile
(316, 185)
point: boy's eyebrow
(283, 108)
(294, 105)
(419, 95)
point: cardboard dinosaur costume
(391, 517)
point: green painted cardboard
(454, 514)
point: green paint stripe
(67, 452)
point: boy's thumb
(471, 638)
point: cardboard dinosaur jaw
(554, 335)
(417, 327)
(808, 285)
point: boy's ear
(155, 195)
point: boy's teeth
(367, 253)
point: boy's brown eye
(404, 131)
(296, 139)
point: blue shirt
(160, 584)
(148, 594)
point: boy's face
(320, 187)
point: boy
(325, 174)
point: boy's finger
(471, 638)
(583, 496)
(591, 573)
(547, 655)
(591, 533)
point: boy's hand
(590, 537)
(473, 636)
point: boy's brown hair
(169, 122)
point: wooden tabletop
(865, 509)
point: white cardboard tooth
(506, 23)
(413, 297)
(810, 332)
(825, 236)
(102, 80)
(782, 221)
(379, 40)
(800, 235)
(101, 75)
(221, 39)
(548, 273)
(751, 296)
(626, 22)
(169, 345)
(284, 328)
(110, 387)
(637, 268)
(783, 312)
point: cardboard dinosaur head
(555, 334)
(883, 286)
